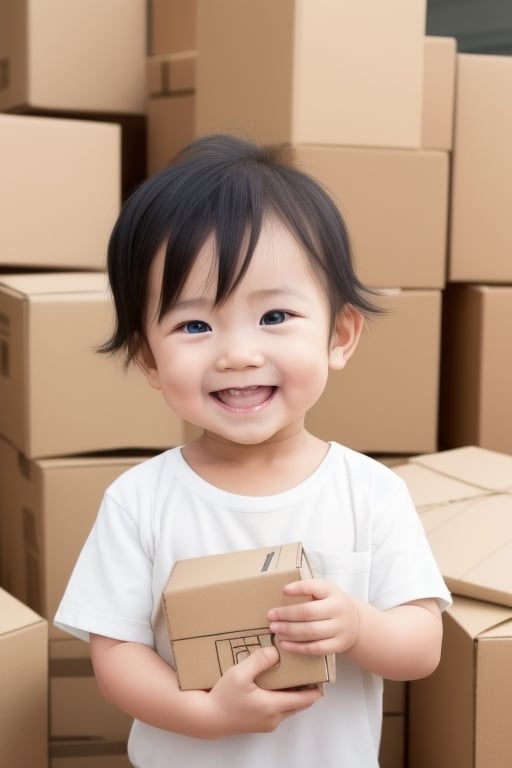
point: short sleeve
(403, 565)
(109, 591)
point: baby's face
(248, 369)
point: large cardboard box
(60, 191)
(304, 72)
(386, 399)
(47, 509)
(440, 56)
(216, 610)
(481, 232)
(460, 715)
(476, 367)
(395, 204)
(73, 56)
(464, 498)
(24, 676)
(172, 26)
(171, 90)
(77, 708)
(60, 395)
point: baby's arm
(402, 643)
(135, 679)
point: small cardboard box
(304, 72)
(367, 405)
(481, 235)
(216, 608)
(44, 503)
(60, 396)
(24, 685)
(476, 367)
(460, 715)
(60, 191)
(73, 56)
(403, 193)
(464, 498)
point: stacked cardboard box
(24, 676)
(72, 141)
(365, 106)
(476, 373)
(81, 60)
(460, 715)
(367, 110)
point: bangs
(233, 217)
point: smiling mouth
(244, 398)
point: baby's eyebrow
(270, 293)
(197, 302)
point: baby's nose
(238, 354)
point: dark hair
(223, 186)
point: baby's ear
(347, 331)
(146, 362)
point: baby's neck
(256, 470)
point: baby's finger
(257, 662)
(316, 589)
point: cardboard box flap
(473, 547)
(482, 468)
(479, 619)
(53, 283)
(464, 500)
(14, 614)
(429, 488)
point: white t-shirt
(359, 528)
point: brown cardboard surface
(77, 708)
(172, 25)
(24, 676)
(44, 504)
(170, 106)
(171, 73)
(170, 127)
(438, 92)
(73, 56)
(62, 396)
(327, 76)
(88, 753)
(464, 498)
(403, 193)
(460, 715)
(476, 369)
(216, 609)
(386, 399)
(392, 744)
(395, 697)
(60, 191)
(481, 236)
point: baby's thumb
(260, 660)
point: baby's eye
(274, 317)
(195, 326)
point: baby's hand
(328, 622)
(239, 705)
